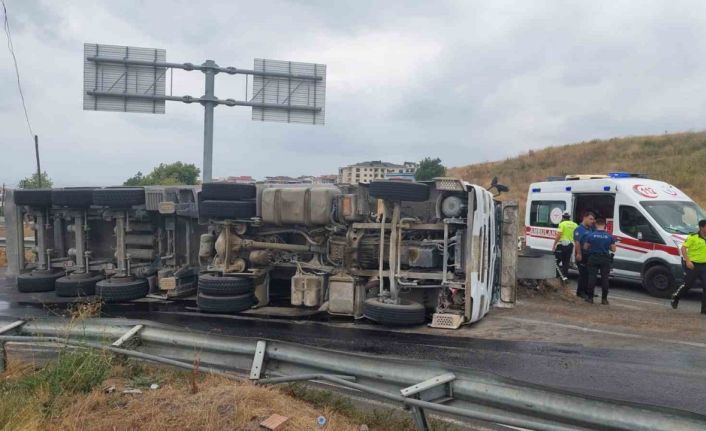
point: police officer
(586, 227)
(600, 245)
(694, 253)
(564, 244)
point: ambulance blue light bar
(626, 175)
(536, 190)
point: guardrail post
(258, 360)
(4, 330)
(429, 388)
(420, 419)
(128, 336)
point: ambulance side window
(546, 213)
(634, 224)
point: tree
(429, 168)
(171, 174)
(33, 182)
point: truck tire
(119, 197)
(121, 289)
(659, 281)
(399, 191)
(77, 285)
(37, 281)
(74, 197)
(228, 209)
(405, 313)
(33, 198)
(225, 304)
(213, 285)
(227, 191)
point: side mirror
(501, 188)
(494, 182)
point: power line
(17, 70)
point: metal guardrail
(419, 385)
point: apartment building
(366, 172)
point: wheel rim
(661, 282)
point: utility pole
(39, 169)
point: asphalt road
(671, 377)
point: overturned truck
(394, 252)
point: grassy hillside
(679, 159)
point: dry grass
(676, 158)
(69, 394)
(220, 404)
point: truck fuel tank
(307, 206)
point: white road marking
(603, 331)
(629, 307)
(623, 298)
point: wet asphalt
(670, 378)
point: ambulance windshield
(675, 216)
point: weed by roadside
(30, 396)
(382, 419)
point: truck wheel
(37, 281)
(399, 191)
(77, 285)
(213, 285)
(33, 198)
(121, 289)
(73, 197)
(225, 304)
(227, 191)
(403, 314)
(228, 209)
(119, 197)
(659, 281)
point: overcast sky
(467, 81)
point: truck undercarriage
(394, 252)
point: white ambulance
(650, 219)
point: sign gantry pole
(209, 104)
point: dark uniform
(580, 236)
(599, 259)
(695, 245)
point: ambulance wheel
(659, 281)
(399, 191)
(406, 313)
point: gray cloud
(465, 81)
